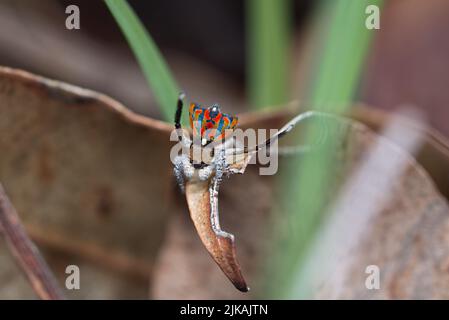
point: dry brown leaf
(88, 177)
(415, 200)
(93, 183)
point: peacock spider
(213, 131)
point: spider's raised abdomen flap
(210, 123)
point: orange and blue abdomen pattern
(210, 123)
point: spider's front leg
(182, 169)
(221, 167)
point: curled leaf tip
(221, 246)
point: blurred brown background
(204, 44)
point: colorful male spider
(210, 125)
(200, 179)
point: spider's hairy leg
(206, 172)
(181, 137)
(216, 168)
(220, 168)
(179, 175)
(283, 131)
(220, 164)
(182, 169)
(179, 110)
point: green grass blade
(268, 43)
(151, 62)
(343, 55)
(307, 181)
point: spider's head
(214, 111)
(210, 124)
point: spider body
(210, 124)
(202, 176)
(210, 127)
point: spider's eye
(214, 111)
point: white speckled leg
(220, 164)
(220, 167)
(205, 172)
(182, 168)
